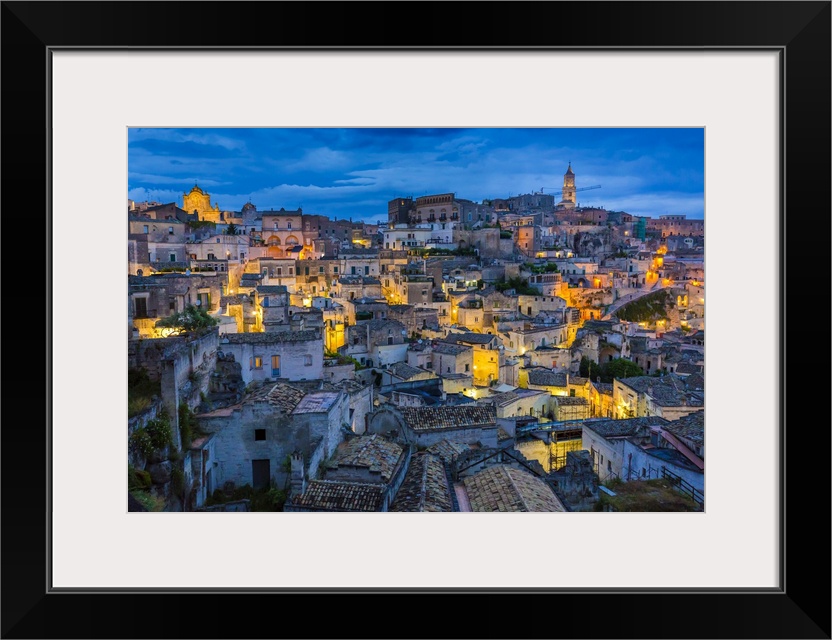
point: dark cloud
(342, 172)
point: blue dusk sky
(343, 173)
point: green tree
(191, 319)
(589, 369)
(520, 286)
(231, 230)
(620, 368)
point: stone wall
(235, 444)
(486, 240)
(485, 436)
(360, 404)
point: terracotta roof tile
(547, 378)
(332, 495)
(372, 452)
(504, 488)
(448, 417)
(425, 486)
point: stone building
(426, 487)
(604, 439)
(273, 304)
(363, 474)
(508, 488)
(353, 287)
(283, 234)
(488, 356)
(568, 200)
(198, 202)
(284, 355)
(670, 396)
(159, 295)
(376, 343)
(424, 426)
(254, 440)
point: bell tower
(568, 201)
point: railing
(684, 487)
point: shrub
(141, 441)
(191, 319)
(135, 406)
(153, 436)
(520, 286)
(149, 501)
(138, 480)
(268, 500)
(159, 431)
(648, 308)
(140, 391)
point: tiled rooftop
(688, 368)
(447, 450)
(469, 338)
(448, 417)
(425, 487)
(667, 391)
(547, 378)
(405, 371)
(280, 395)
(605, 388)
(332, 495)
(691, 427)
(317, 402)
(505, 399)
(565, 401)
(270, 337)
(449, 349)
(504, 488)
(353, 280)
(379, 325)
(372, 452)
(273, 289)
(625, 427)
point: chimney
(298, 481)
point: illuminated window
(275, 366)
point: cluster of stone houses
(432, 363)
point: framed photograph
(754, 76)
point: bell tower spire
(568, 200)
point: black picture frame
(800, 31)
